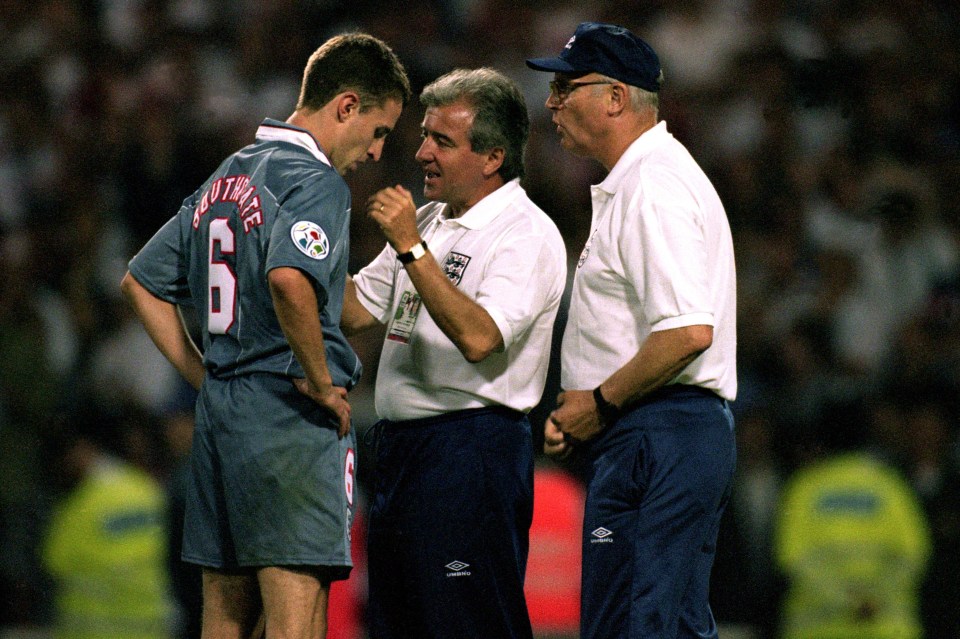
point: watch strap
(608, 412)
(415, 253)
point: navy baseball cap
(607, 49)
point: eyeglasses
(560, 90)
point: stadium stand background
(832, 132)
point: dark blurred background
(830, 129)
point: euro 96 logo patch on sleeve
(310, 239)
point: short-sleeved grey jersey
(275, 203)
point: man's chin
(570, 147)
(350, 168)
(430, 192)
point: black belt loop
(371, 436)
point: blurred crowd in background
(830, 129)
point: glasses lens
(559, 90)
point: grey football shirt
(275, 203)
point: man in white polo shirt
(649, 354)
(468, 287)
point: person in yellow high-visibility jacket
(104, 549)
(853, 544)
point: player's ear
(493, 161)
(618, 98)
(348, 104)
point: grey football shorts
(271, 483)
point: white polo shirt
(660, 256)
(506, 255)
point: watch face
(415, 253)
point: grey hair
(500, 112)
(641, 99)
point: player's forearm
(164, 325)
(355, 318)
(662, 356)
(465, 322)
(295, 303)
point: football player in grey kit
(260, 250)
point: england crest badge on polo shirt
(310, 239)
(455, 265)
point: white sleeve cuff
(506, 333)
(691, 319)
(381, 312)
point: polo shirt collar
(642, 146)
(271, 130)
(487, 209)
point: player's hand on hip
(395, 213)
(330, 397)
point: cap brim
(556, 65)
